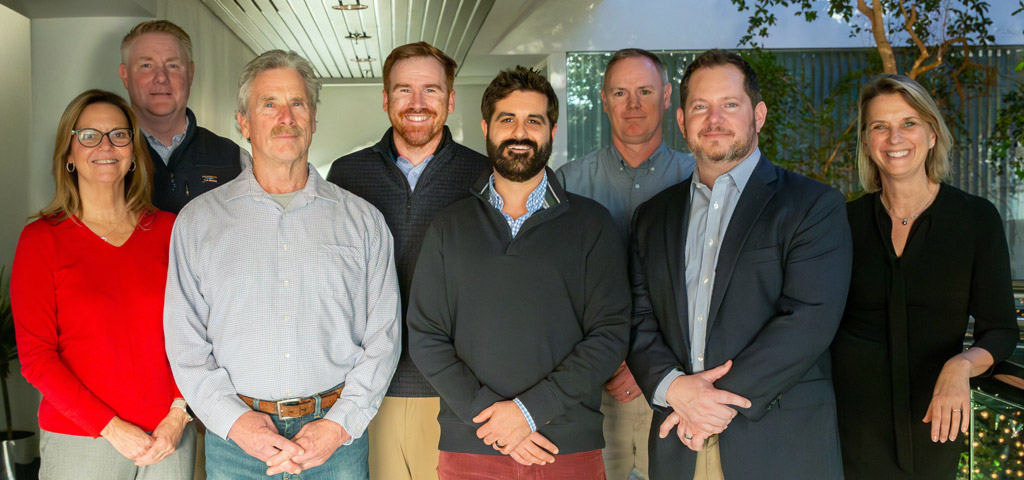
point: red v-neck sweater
(89, 323)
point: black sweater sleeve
(431, 331)
(991, 302)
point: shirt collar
(174, 141)
(247, 185)
(660, 154)
(740, 173)
(534, 202)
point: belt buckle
(286, 403)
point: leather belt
(294, 407)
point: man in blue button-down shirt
(621, 176)
(281, 312)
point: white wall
(15, 128)
(351, 117)
(15, 161)
(219, 57)
(69, 56)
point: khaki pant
(403, 439)
(626, 429)
(709, 461)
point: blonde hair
(157, 26)
(138, 184)
(936, 164)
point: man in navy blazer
(739, 278)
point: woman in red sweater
(87, 291)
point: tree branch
(908, 25)
(832, 157)
(874, 13)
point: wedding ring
(956, 410)
(688, 437)
(627, 392)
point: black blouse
(905, 317)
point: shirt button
(711, 241)
(288, 392)
(286, 318)
(716, 206)
(637, 186)
(700, 358)
(285, 247)
(705, 280)
(652, 169)
(287, 355)
(286, 283)
(700, 318)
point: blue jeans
(225, 460)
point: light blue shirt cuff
(662, 390)
(526, 413)
(346, 413)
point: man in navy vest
(156, 69)
(415, 170)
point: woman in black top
(926, 256)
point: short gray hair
(635, 53)
(270, 60)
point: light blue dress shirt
(412, 172)
(534, 203)
(603, 175)
(711, 210)
(276, 303)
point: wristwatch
(180, 403)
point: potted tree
(19, 447)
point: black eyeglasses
(90, 137)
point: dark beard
(737, 151)
(518, 167)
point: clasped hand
(507, 430)
(504, 426)
(700, 410)
(145, 449)
(256, 435)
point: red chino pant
(471, 466)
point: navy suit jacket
(779, 291)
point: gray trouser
(86, 458)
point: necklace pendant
(904, 220)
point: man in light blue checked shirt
(282, 304)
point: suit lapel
(677, 217)
(756, 194)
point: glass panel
(816, 118)
(997, 446)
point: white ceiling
(346, 45)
